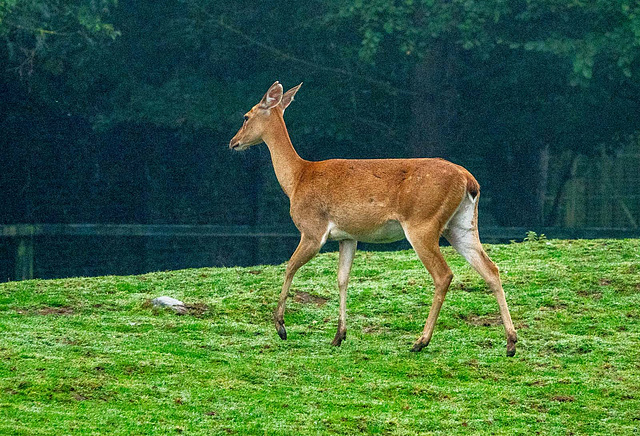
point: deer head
(257, 120)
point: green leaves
(583, 34)
(42, 36)
(91, 20)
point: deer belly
(390, 231)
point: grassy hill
(90, 356)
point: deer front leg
(347, 252)
(307, 249)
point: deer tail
(473, 187)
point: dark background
(121, 113)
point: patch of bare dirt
(55, 311)
(483, 320)
(196, 309)
(373, 329)
(307, 298)
(563, 398)
(77, 396)
(553, 306)
(468, 287)
(590, 294)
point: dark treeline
(121, 112)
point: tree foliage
(48, 34)
(493, 85)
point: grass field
(90, 356)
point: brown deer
(372, 200)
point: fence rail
(27, 230)
(26, 236)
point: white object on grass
(171, 303)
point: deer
(372, 201)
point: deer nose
(233, 143)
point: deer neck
(286, 161)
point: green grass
(89, 356)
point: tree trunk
(516, 185)
(433, 104)
(552, 217)
(543, 178)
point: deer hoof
(511, 345)
(282, 332)
(418, 346)
(340, 336)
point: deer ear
(287, 98)
(273, 96)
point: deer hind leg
(347, 252)
(307, 249)
(424, 241)
(462, 234)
